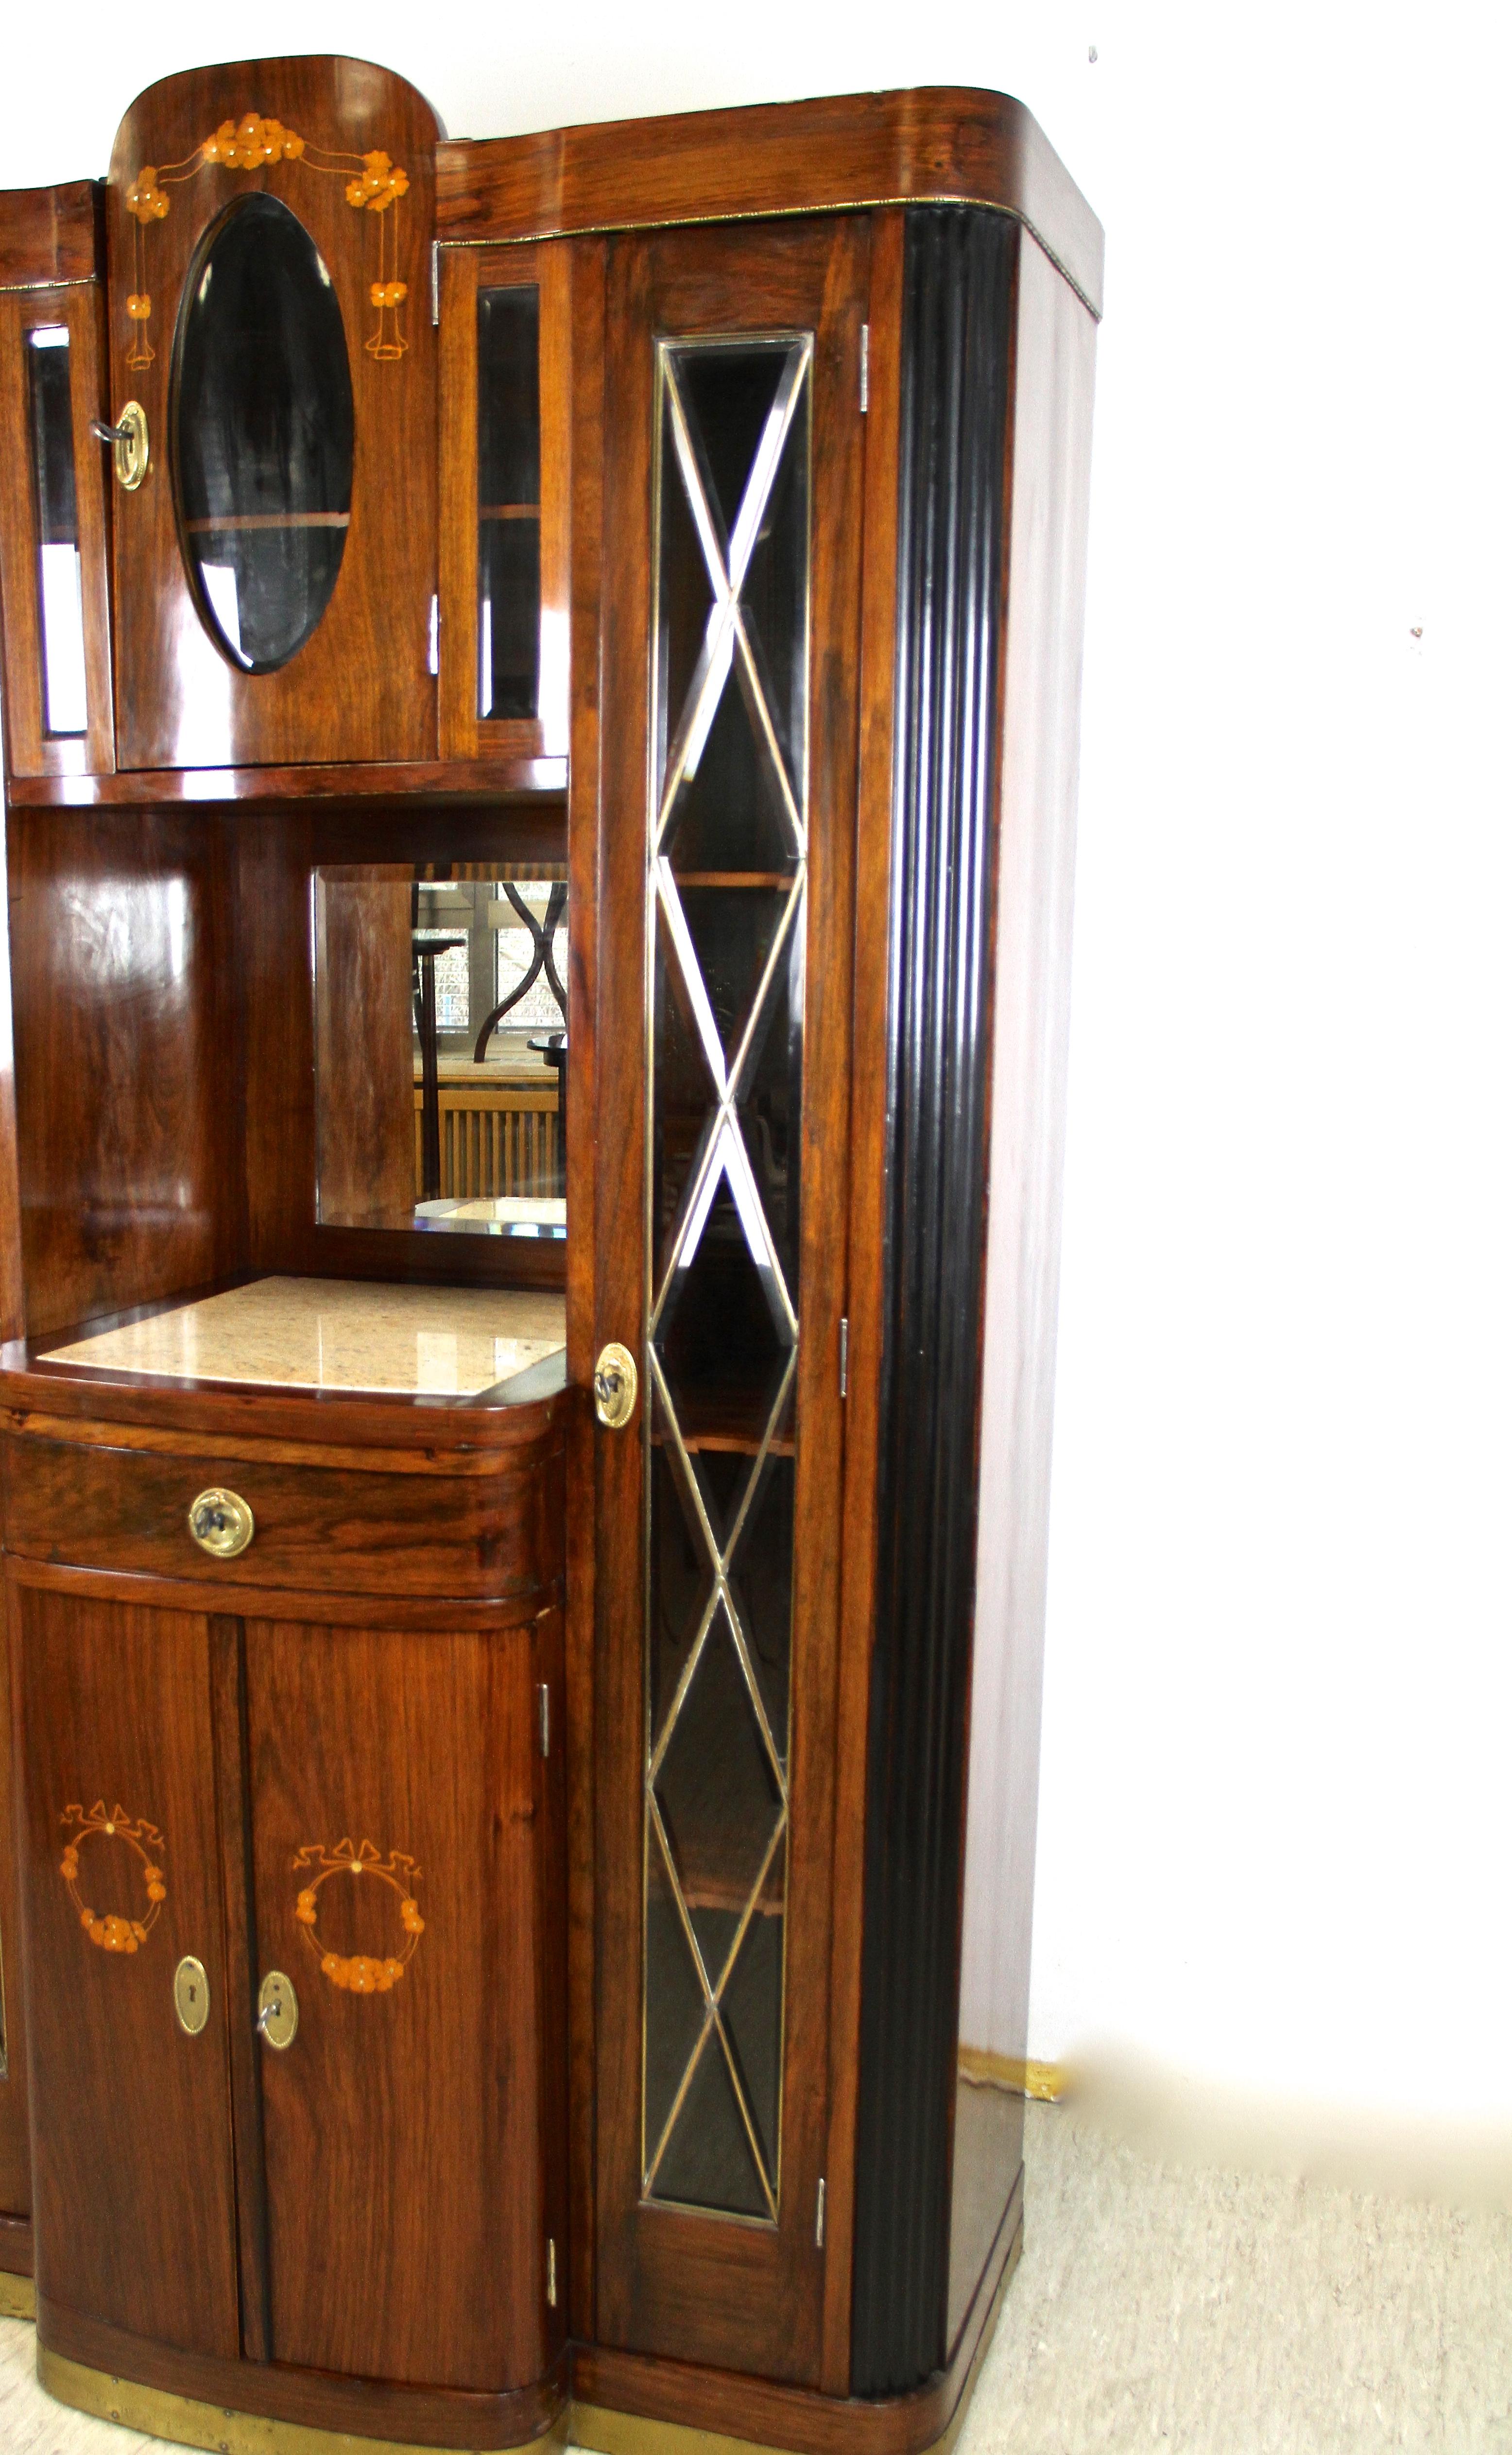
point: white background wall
(1275, 1836)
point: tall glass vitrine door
(732, 517)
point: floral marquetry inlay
(359, 1973)
(112, 1933)
(374, 182)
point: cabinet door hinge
(436, 281)
(844, 1358)
(819, 2217)
(433, 653)
(551, 2273)
(866, 368)
(543, 1699)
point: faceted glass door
(726, 960)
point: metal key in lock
(278, 2010)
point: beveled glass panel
(509, 502)
(676, 2004)
(262, 433)
(729, 827)
(60, 578)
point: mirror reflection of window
(60, 571)
(441, 1048)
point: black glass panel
(728, 396)
(509, 502)
(720, 1346)
(728, 814)
(762, 1582)
(716, 1789)
(774, 599)
(262, 433)
(771, 1103)
(753, 2009)
(682, 1572)
(59, 576)
(734, 929)
(686, 595)
(675, 2012)
(707, 2162)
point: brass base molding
(19, 2295)
(1015, 2073)
(187, 2423)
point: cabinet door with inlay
(404, 1840)
(126, 1976)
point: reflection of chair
(542, 959)
(425, 945)
(552, 1046)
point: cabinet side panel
(953, 409)
(1050, 449)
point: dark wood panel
(360, 687)
(137, 2220)
(407, 2416)
(405, 2161)
(363, 1040)
(456, 783)
(1050, 445)
(49, 234)
(234, 1814)
(128, 1089)
(15, 2146)
(316, 1529)
(741, 2295)
(955, 144)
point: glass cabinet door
(732, 527)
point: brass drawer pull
(221, 1523)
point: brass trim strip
(211, 2426)
(1020, 2075)
(19, 2295)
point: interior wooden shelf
(459, 781)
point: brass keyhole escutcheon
(190, 1995)
(616, 1382)
(278, 2010)
(129, 446)
(221, 1523)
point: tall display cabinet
(541, 694)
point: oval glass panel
(262, 433)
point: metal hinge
(551, 2273)
(433, 653)
(844, 1358)
(866, 368)
(819, 2217)
(543, 1699)
(436, 281)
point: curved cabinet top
(925, 145)
(350, 151)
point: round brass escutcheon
(130, 449)
(221, 1523)
(278, 2010)
(616, 1383)
(190, 1995)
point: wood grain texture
(1050, 446)
(460, 784)
(316, 1529)
(949, 144)
(360, 687)
(131, 2119)
(740, 2295)
(15, 2146)
(234, 1818)
(49, 235)
(30, 749)
(404, 2153)
(441, 2416)
(364, 1068)
(123, 989)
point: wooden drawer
(318, 1530)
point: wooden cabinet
(644, 560)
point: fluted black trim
(959, 268)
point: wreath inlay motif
(374, 182)
(114, 1934)
(360, 1972)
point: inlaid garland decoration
(375, 183)
(113, 1934)
(360, 1972)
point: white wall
(1275, 1820)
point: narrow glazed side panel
(1051, 446)
(958, 276)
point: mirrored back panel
(441, 1041)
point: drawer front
(316, 1529)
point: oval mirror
(261, 428)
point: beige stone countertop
(339, 1334)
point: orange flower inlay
(112, 1933)
(360, 1972)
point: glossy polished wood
(360, 687)
(483, 783)
(942, 144)
(132, 2130)
(49, 234)
(16, 2144)
(30, 750)
(669, 2280)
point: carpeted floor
(1190, 2310)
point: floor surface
(1189, 2311)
